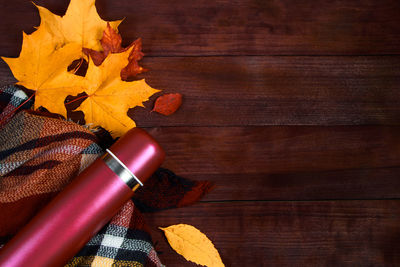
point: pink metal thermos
(68, 222)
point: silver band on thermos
(119, 168)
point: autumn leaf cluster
(46, 54)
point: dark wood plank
(240, 27)
(287, 162)
(285, 149)
(225, 91)
(329, 233)
(380, 183)
(234, 91)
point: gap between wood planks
(294, 200)
(272, 55)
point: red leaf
(133, 68)
(168, 104)
(97, 56)
(111, 43)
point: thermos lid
(139, 152)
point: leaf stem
(76, 99)
(77, 66)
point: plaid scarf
(41, 155)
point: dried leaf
(167, 104)
(109, 98)
(133, 68)
(96, 56)
(111, 43)
(192, 244)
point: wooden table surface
(291, 107)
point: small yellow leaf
(192, 244)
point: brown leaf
(97, 56)
(111, 43)
(133, 68)
(167, 104)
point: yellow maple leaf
(81, 24)
(43, 68)
(193, 245)
(109, 98)
(46, 54)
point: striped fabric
(10, 98)
(119, 243)
(39, 156)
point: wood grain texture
(275, 150)
(328, 233)
(240, 91)
(236, 91)
(240, 27)
(287, 162)
(366, 183)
